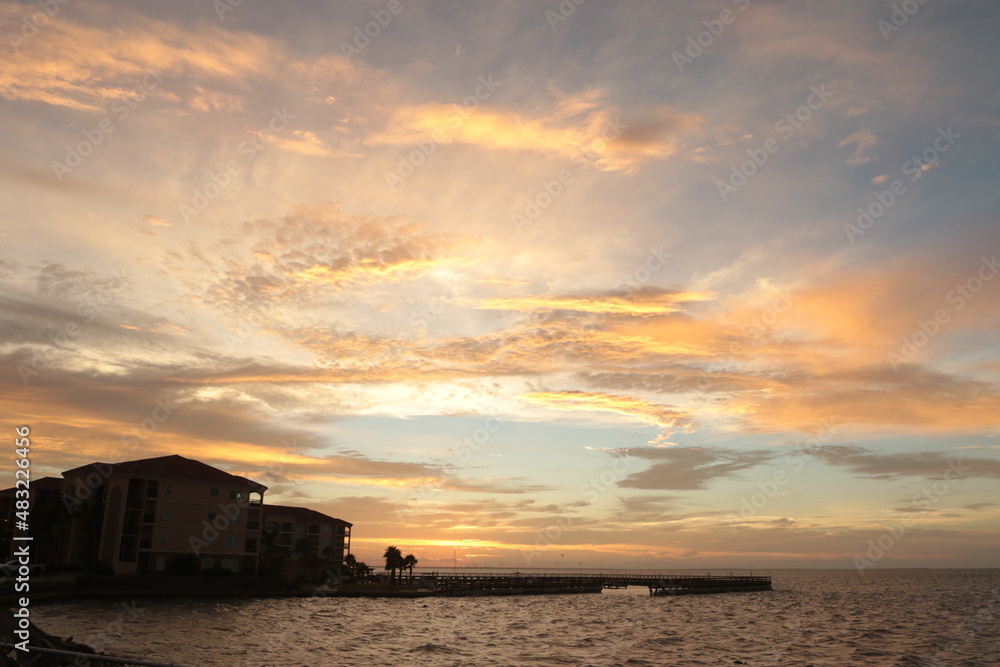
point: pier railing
(494, 583)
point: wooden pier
(687, 585)
(533, 584)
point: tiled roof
(303, 514)
(171, 467)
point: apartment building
(163, 514)
(330, 537)
(167, 514)
(46, 512)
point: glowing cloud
(639, 303)
(666, 418)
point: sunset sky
(619, 284)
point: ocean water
(813, 617)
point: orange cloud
(576, 129)
(649, 413)
(84, 67)
(634, 304)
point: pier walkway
(526, 584)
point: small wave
(434, 648)
(664, 641)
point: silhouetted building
(47, 517)
(168, 514)
(164, 514)
(329, 539)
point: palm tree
(362, 570)
(351, 565)
(270, 551)
(88, 513)
(306, 547)
(393, 561)
(409, 562)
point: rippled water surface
(813, 617)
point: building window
(236, 520)
(232, 542)
(236, 495)
(170, 488)
(212, 515)
(164, 536)
(161, 563)
(299, 528)
(231, 564)
(324, 541)
(214, 492)
(207, 563)
(166, 513)
(325, 528)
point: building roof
(303, 514)
(171, 467)
(40, 484)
